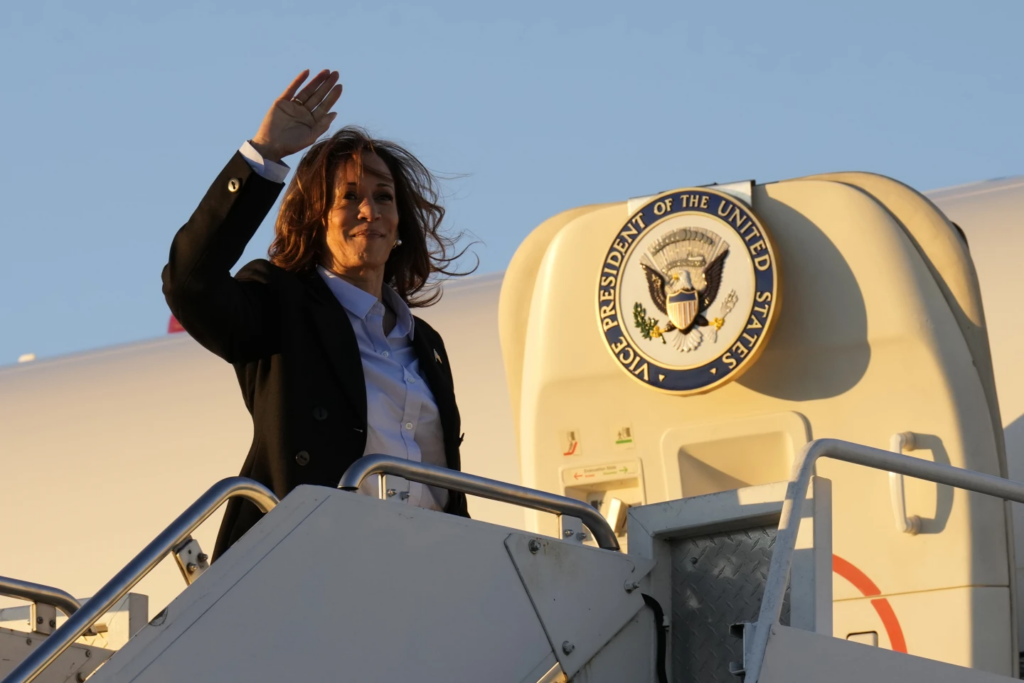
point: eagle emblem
(684, 273)
(688, 290)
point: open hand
(298, 118)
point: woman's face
(362, 226)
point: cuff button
(302, 458)
(234, 185)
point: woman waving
(331, 361)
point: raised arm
(236, 319)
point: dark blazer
(292, 346)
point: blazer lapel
(430, 367)
(339, 341)
(432, 370)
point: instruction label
(596, 473)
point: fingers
(321, 92)
(309, 93)
(328, 101)
(290, 90)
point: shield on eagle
(682, 308)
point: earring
(397, 244)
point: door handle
(900, 443)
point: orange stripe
(891, 623)
(868, 588)
(855, 576)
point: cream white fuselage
(100, 450)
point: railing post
(115, 589)
(789, 523)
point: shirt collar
(359, 302)
(405, 323)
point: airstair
(734, 585)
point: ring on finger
(299, 102)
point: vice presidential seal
(688, 291)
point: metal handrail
(482, 487)
(115, 589)
(789, 522)
(38, 593)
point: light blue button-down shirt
(402, 417)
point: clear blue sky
(117, 116)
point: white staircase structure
(332, 585)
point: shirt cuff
(274, 171)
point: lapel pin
(437, 357)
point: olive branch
(648, 326)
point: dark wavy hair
(302, 222)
